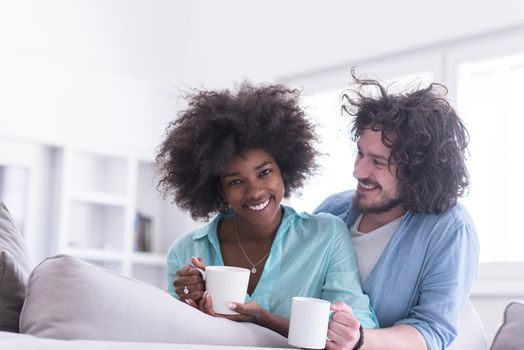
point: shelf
(112, 214)
(100, 198)
(148, 258)
(96, 226)
(94, 254)
(99, 172)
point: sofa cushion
(68, 298)
(23, 342)
(14, 270)
(471, 334)
(509, 335)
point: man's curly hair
(218, 125)
(428, 141)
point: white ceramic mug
(226, 284)
(309, 322)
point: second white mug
(308, 325)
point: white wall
(58, 104)
(187, 42)
(224, 41)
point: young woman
(237, 154)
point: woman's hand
(189, 284)
(343, 332)
(205, 304)
(248, 312)
(252, 312)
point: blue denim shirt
(311, 256)
(425, 274)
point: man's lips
(366, 186)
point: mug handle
(202, 273)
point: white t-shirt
(370, 246)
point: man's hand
(343, 331)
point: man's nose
(361, 169)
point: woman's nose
(253, 190)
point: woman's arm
(250, 312)
(264, 318)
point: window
(13, 192)
(489, 98)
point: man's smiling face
(377, 190)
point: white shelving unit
(103, 195)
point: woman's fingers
(248, 312)
(191, 303)
(197, 295)
(191, 291)
(206, 304)
(198, 262)
(188, 283)
(187, 275)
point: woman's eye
(265, 172)
(234, 183)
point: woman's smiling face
(253, 186)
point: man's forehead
(371, 143)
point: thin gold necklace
(253, 266)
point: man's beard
(382, 206)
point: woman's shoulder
(193, 238)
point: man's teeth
(260, 206)
(367, 186)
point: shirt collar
(212, 230)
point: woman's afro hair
(218, 125)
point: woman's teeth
(260, 206)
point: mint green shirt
(311, 256)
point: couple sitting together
(397, 257)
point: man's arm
(401, 337)
(343, 334)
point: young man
(416, 246)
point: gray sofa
(67, 303)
